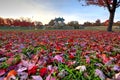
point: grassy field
(59, 54)
(91, 28)
(101, 28)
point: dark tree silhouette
(111, 5)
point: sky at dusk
(45, 10)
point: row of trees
(76, 24)
(96, 23)
(27, 22)
(99, 23)
(22, 22)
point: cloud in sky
(45, 10)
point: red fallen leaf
(2, 72)
(108, 48)
(35, 58)
(58, 48)
(42, 43)
(87, 59)
(8, 46)
(70, 63)
(27, 40)
(64, 48)
(101, 48)
(10, 75)
(43, 71)
(51, 43)
(2, 51)
(104, 58)
(70, 40)
(117, 56)
(9, 54)
(119, 37)
(86, 53)
(42, 51)
(10, 60)
(12, 72)
(33, 70)
(98, 55)
(59, 37)
(71, 56)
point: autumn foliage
(18, 22)
(56, 55)
(99, 2)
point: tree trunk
(111, 21)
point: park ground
(88, 54)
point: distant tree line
(76, 25)
(22, 22)
(96, 23)
(27, 22)
(99, 23)
(87, 23)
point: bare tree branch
(118, 4)
(108, 5)
(114, 4)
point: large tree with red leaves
(111, 6)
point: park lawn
(59, 54)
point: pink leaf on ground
(37, 78)
(23, 75)
(21, 69)
(105, 58)
(58, 58)
(87, 59)
(49, 77)
(100, 74)
(2, 72)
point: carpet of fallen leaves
(59, 55)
